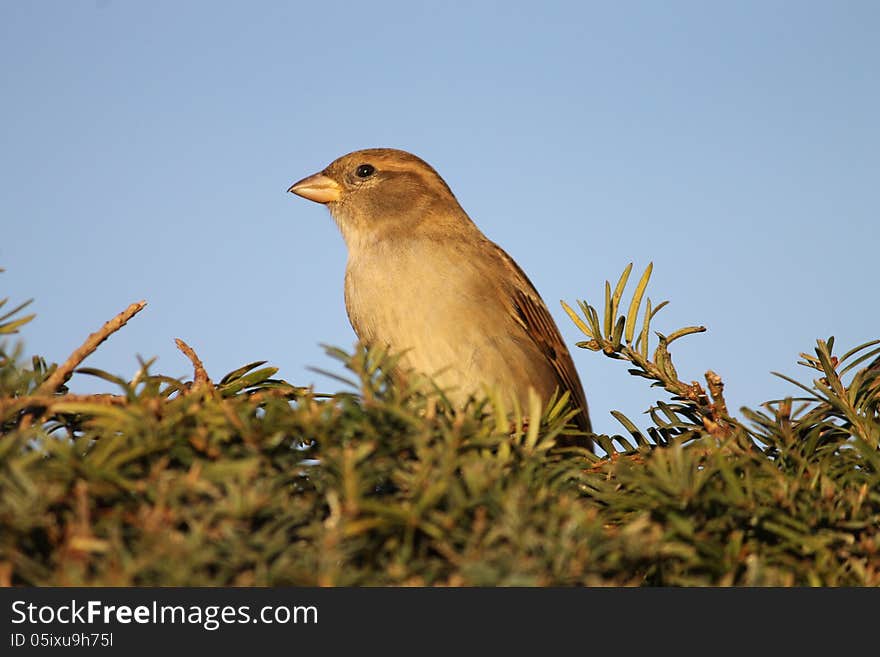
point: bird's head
(379, 192)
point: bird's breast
(446, 310)
(412, 296)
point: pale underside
(460, 329)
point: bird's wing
(542, 330)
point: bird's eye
(365, 171)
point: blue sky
(148, 148)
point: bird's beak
(318, 188)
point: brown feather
(542, 330)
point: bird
(423, 280)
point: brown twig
(200, 375)
(60, 375)
(45, 401)
(716, 389)
(37, 406)
(717, 422)
(598, 466)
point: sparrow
(422, 279)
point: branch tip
(63, 373)
(200, 375)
